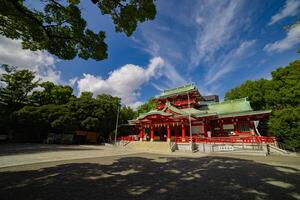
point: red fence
(128, 138)
(254, 139)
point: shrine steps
(237, 148)
(156, 147)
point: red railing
(253, 139)
(127, 138)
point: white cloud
(42, 63)
(157, 46)
(73, 81)
(157, 40)
(229, 63)
(135, 105)
(207, 35)
(124, 82)
(199, 20)
(216, 30)
(291, 8)
(159, 88)
(291, 40)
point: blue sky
(215, 44)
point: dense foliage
(147, 106)
(60, 29)
(29, 115)
(282, 95)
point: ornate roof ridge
(180, 87)
(244, 99)
(179, 90)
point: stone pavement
(23, 154)
(149, 176)
(20, 154)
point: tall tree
(60, 29)
(52, 94)
(17, 85)
(146, 107)
(127, 113)
(282, 95)
(281, 91)
(285, 124)
(14, 90)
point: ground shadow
(145, 178)
(17, 149)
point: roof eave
(245, 113)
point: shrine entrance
(161, 126)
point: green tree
(146, 107)
(282, 95)
(52, 94)
(29, 118)
(285, 124)
(14, 90)
(127, 113)
(17, 85)
(107, 112)
(60, 29)
(31, 123)
(281, 91)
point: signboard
(226, 148)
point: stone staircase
(167, 147)
(276, 150)
(156, 147)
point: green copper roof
(232, 106)
(187, 111)
(178, 90)
(245, 113)
(174, 109)
(154, 112)
(192, 111)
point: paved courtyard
(98, 172)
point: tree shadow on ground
(162, 178)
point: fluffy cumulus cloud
(124, 82)
(291, 8)
(291, 40)
(42, 63)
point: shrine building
(183, 114)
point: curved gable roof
(154, 112)
(231, 106)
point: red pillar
(183, 133)
(235, 128)
(252, 128)
(152, 134)
(221, 128)
(205, 129)
(141, 134)
(169, 133)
